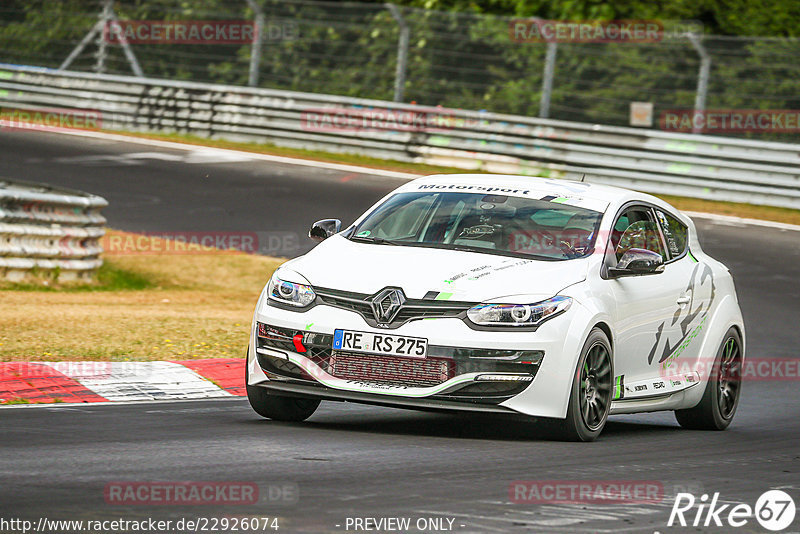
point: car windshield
(495, 224)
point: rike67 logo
(774, 510)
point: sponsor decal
(481, 271)
(619, 388)
(701, 282)
(376, 385)
(482, 188)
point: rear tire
(277, 407)
(721, 397)
(592, 389)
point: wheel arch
(602, 325)
(725, 316)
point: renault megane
(563, 301)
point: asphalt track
(357, 461)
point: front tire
(277, 407)
(592, 389)
(721, 397)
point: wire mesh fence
(433, 58)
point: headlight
(290, 293)
(518, 314)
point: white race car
(560, 300)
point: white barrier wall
(717, 168)
(49, 230)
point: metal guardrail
(51, 230)
(716, 168)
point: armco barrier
(700, 166)
(51, 230)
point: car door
(674, 356)
(645, 305)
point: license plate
(410, 347)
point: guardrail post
(255, 49)
(402, 52)
(53, 230)
(702, 78)
(547, 80)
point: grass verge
(141, 307)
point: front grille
(412, 309)
(442, 364)
(390, 370)
(356, 302)
(318, 346)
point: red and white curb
(72, 382)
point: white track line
(739, 221)
(243, 154)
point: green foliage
(109, 277)
(777, 18)
(461, 56)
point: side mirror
(638, 261)
(325, 228)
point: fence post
(100, 30)
(402, 52)
(102, 51)
(547, 81)
(255, 49)
(702, 78)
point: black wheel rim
(595, 386)
(729, 380)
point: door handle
(683, 301)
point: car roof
(598, 197)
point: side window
(675, 233)
(636, 228)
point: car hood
(338, 263)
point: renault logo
(386, 304)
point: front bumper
(433, 404)
(483, 376)
(281, 367)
